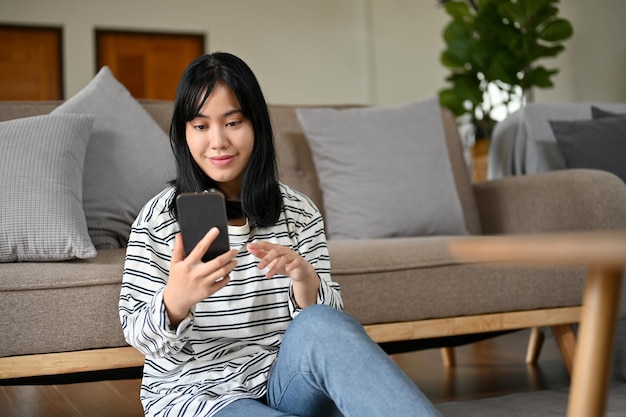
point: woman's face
(221, 139)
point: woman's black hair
(260, 194)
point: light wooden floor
(488, 368)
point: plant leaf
(541, 51)
(540, 77)
(457, 32)
(448, 98)
(556, 30)
(504, 68)
(459, 10)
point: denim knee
(322, 322)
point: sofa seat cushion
(403, 279)
(61, 306)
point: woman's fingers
(276, 258)
(277, 266)
(203, 245)
(220, 267)
(269, 258)
(266, 254)
(220, 283)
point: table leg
(595, 343)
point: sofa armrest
(572, 199)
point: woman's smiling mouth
(221, 160)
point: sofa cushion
(62, 306)
(384, 171)
(595, 144)
(296, 168)
(128, 159)
(41, 166)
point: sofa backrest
(10, 110)
(295, 161)
(160, 110)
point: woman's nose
(218, 139)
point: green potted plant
(496, 46)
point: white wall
(594, 62)
(407, 43)
(332, 51)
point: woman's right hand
(191, 280)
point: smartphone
(197, 214)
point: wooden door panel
(148, 64)
(30, 63)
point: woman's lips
(222, 160)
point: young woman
(257, 331)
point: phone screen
(197, 214)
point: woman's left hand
(281, 260)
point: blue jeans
(328, 366)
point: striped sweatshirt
(224, 348)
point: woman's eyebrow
(228, 113)
(233, 111)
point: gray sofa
(61, 317)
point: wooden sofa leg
(566, 339)
(448, 357)
(535, 343)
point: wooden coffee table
(604, 256)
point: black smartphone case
(197, 214)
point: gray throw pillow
(594, 144)
(384, 171)
(598, 113)
(41, 166)
(128, 161)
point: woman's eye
(199, 127)
(233, 123)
